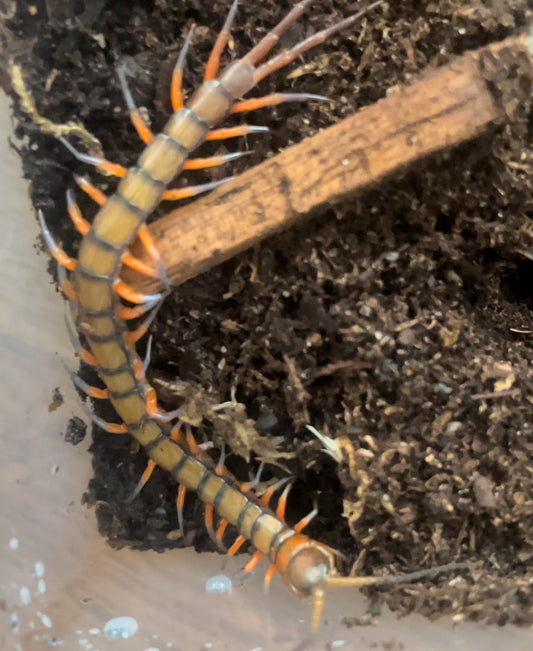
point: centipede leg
(208, 519)
(301, 524)
(144, 132)
(274, 99)
(213, 62)
(252, 563)
(212, 161)
(175, 435)
(88, 389)
(192, 190)
(268, 576)
(282, 502)
(80, 223)
(111, 428)
(80, 351)
(239, 541)
(102, 164)
(221, 530)
(96, 195)
(127, 292)
(176, 93)
(56, 251)
(180, 501)
(65, 285)
(235, 132)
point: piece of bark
(446, 107)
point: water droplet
(121, 627)
(218, 584)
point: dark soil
(399, 323)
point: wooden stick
(446, 107)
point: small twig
(494, 394)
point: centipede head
(304, 564)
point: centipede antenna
(362, 581)
(286, 57)
(408, 577)
(271, 39)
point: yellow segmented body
(305, 565)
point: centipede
(111, 316)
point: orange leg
(65, 285)
(154, 270)
(56, 251)
(144, 132)
(180, 501)
(252, 563)
(138, 265)
(246, 486)
(268, 576)
(130, 313)
(222, 526)
(93, 392)
(191, 190)
(301, 524)
(132, 336)
(133, 296)
(239, 541)
(191, 442)
(212, 161)
(175, 435)
(81, 352)
(81, 224)
(147, 473)
(176, 93)
(267, 495)
(234, 132)
(208, 518)
(282, 502)
(112, 428)
(272, 100)
(213, 62)
(96, 195)
(105, 166)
